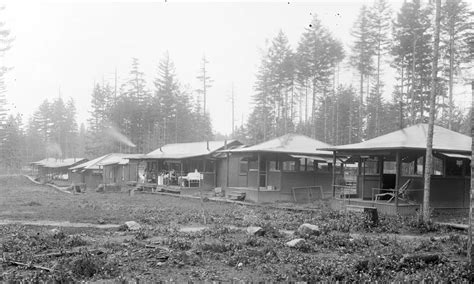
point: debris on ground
(308, 230)
(255, 231)
(294, 243)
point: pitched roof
(58, 163)
(188, 150)
(290, 144)
(120, 160)
(413, 137)
(97, 162)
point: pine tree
(205, 81)
(261, 122)
(412, 51)
(134, 99)
(12, 152)
(379, 26)
(280, 60)
(456, 27)
(317, 55)
(166, 99)
(5, 44)
(101, 115)
(363, 52)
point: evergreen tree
(456, 28)
(318, 53)
(5, 44)
(363, 51)
(380, 26)
(412, 51)
(11, 152)
(205, 81)
(134, 101)
(261, 122)
(102, 110)
(281, 76)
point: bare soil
(175, 244)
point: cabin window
(372, 166)
(323, 167)
(310, 165)
(413, 168)
(273, 166)
(253, 165)
(438, 169)
(454, 167)
(289, 166)
(302, 165)
(244, 167)
(389, 167)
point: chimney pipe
(207, 142)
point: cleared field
(175, 244)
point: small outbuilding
(287, 168)
(391, 169)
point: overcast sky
(66, 47)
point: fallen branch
(11, 262)
(67, 253)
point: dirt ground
(67, 237)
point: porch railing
(310, 191)
(405, 196)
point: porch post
(381, 171)
(334, 174)
(258, 177)
(227, 170)
(397, 177)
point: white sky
(68, 46)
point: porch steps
(236, 195)
(359, 208)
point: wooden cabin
(53, 169)
(388, 162)
(287, 168)
(90, 174)
(171, 164)
(120, 171)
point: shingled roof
(414, 138)
(189, 150)
(58, 163)
(291, 143)
(97, 162)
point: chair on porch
(402, 193)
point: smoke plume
(116, 135)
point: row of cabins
(297, 168)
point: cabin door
(263, 173)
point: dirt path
(59, 224)
(58, 188)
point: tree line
(130, 118)
(298, 89)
